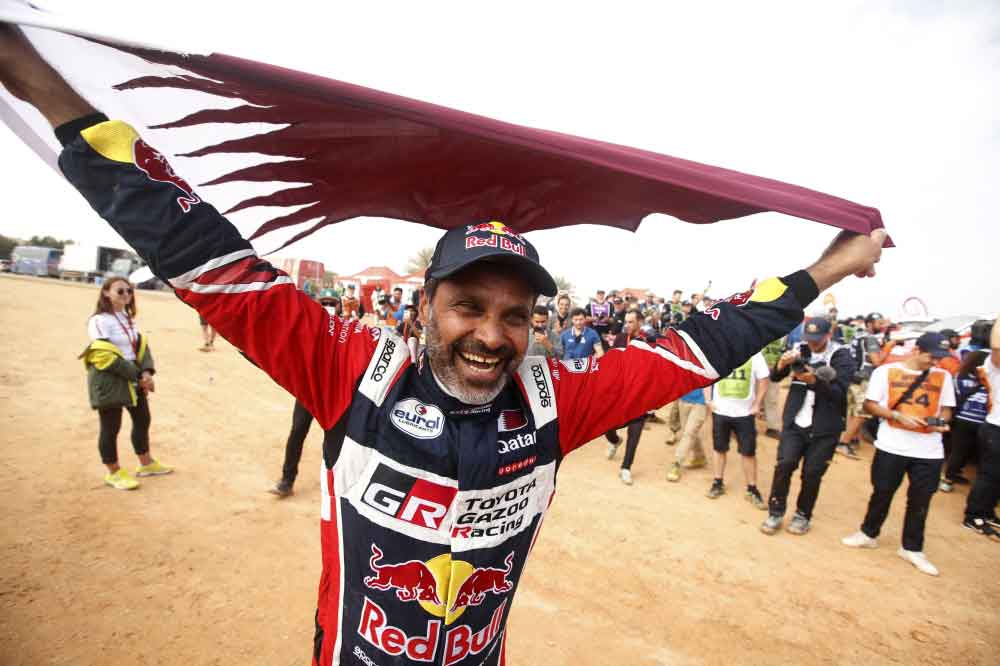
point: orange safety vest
(923, 403)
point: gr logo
(417, 501)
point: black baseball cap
(488, 241)
(816, 329)
(935, 344)
(874, 316)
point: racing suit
(429, 506)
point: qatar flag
(321, 151)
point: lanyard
(133, 337)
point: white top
(907, 442)
(117, 329)
(993, 374)
(740, 407)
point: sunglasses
(123, 291)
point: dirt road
(205, 567)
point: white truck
(85, 262)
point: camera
(934, 421)
(805, 354)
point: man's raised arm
(189, 245)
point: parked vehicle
(35, 260)
(86, 262)
(307, 274)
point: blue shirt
(695, 397)
(579, 346)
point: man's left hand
(808, 376)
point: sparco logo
(542, 384)
(417, 419)
(383, 361)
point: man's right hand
(26, 75)
(787, 358)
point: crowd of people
(931, 395)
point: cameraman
(812, 420)
(544, 341)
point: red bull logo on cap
(156, 167)
(500, 236)
(494, 227)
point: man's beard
(442, 359)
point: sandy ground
(205, 567)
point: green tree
(6, 245)
(420, 261)
(49, 241)
(563, 284)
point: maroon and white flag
(322, 151)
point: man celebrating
(441, 470)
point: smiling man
(436, 473)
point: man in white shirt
(915, 399)
(736, 401)
(980, 509)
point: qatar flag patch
(511, 419)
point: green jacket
(111, 379)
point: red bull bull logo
(156, 167)
(412, 580)
(494, 227)
(459, 584)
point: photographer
(915, 400)
(544, 341)
(812, 421)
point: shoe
(859, 540)
(993, 521)
(612, 448)
(653, 418)
(205, 348)
(771, 524)
(847, 451)
(121, 480)
(799, 524)
(282, 488)
(626, 476)
(717, 490)
(670, 441)
(753, 496)
(980, 526)
(919, 560)
(675, 472)
(696, 463)
(945, 486)
(772, 433)
(155, 468)
(958, 480)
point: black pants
(887, 473)
(985, 492)
(301, 420)
(963, 442)
(633, 430)
(815, 451)
(111, 424)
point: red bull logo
(156, 167)
(412, 580)
(494, 227)
(482, 581)
(458, 583)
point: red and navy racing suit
(430, 507)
